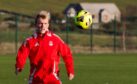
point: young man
(44, 49)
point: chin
(42, 32)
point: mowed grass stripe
(105, 69)
(89, 69)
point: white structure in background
(101, 12)
(106, 16)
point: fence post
(124, 35)
(91, 39)
(67, 29)
(115, 33)
(16, 33)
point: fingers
(17, 70)
(71, 76)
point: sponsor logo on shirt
(50, 43)
(49, 34)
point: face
(42, 25)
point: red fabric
(49, 79)
(44, 55)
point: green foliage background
(32, 6)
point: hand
(17, 70)
(71, 76)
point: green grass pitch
(89, 69)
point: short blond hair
(42, 14)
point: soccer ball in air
(83, 19)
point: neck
(42, 34)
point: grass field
(89, 69)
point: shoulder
(52, 34)
(26, 41)
(30, 39)
(58, 37)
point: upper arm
(22, 54)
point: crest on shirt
(36, 44)
(50, 43)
